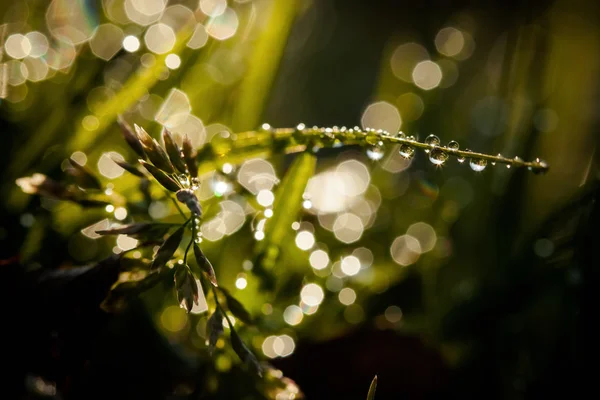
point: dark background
(526, 328)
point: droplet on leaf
(437, 156)
(477, 164)
(407, 151)
(376, 151)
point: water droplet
(478, 164)
(401, 135)
(543, 167)
(407, 151)
(376, 151)
(300, 126)
(461, 159)
(453, 145)
(518, 159)
(184, 180)
(437, 156)
(432, 141)
(265, 127)
(195, 183)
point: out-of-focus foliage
(440, 280)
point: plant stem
(176, 205)
(218, 305)
(294, 140)
(187, 249)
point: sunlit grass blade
(372, 388)
(288, 200)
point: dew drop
(401, 135)
(195, 183)
(184, 180)
(407, 151)
(432, 141)
(543, 167)
(453, 145)
(461, 159)
(300, 126)
(376, 151)
(477, 164)
(437, 156)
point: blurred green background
(443, 281)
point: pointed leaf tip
(130, 137)
(372, 388)
(244, 353)
(205, 265)
(189, 156)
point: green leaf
(173, 152)
(244, 353)
(168, 248)
(288, 200)
(205, 265)
(286, 210)
(237, 308)
(186, 287)
(84, 176)
(371, 394)
(130, 137)
(189, 156)
(132, 169)
(166, 181)
(214, 329)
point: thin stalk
(301, 138)
(176, 205)
(218, 305)
(187, 249)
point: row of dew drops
(438, 155)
